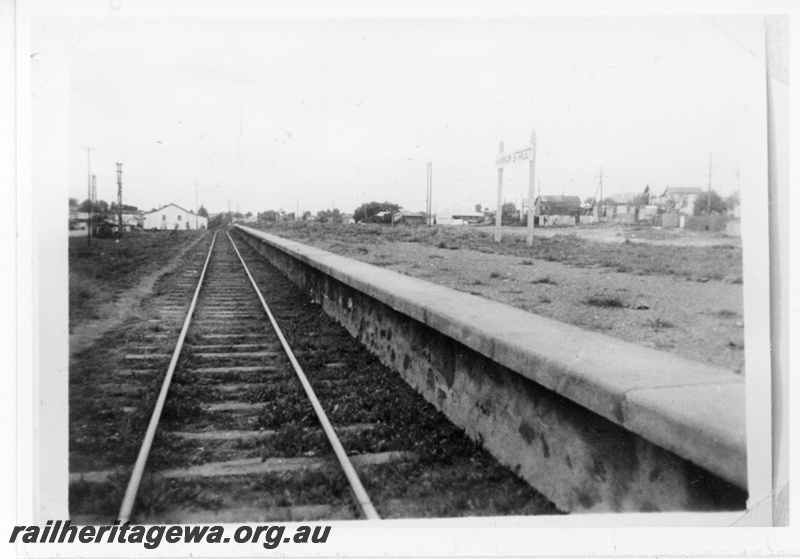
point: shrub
(606, 302)
(658, 323)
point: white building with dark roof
(678, 199)
(172, 217)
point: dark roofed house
(409, 218)
(557, 205)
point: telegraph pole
(93, 196)
(601, 208)
(119, 196)
(430, 194)
(708, 195)
(89, 184)
(195, 204)
(498, 214)
(601, 184)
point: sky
(269, 113)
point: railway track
(238, 434)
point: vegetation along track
(239, 440)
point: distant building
(624, 199)
(78, 220)
(627, 207)
(555, 220)
(557, 205)
(381, 217)
(460, 214)
(130, 219)
(468, 217)
(409, 218)
(172, 217)
(678, 199)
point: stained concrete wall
(594, 423)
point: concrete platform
(593, 422)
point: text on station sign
(523, 154)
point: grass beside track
(100, 272)
(712, 263)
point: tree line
(364, 213)
(103, 207)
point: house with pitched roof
(172, 217)
(678, 199)
(557, 205)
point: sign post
(527, 153)
(531, 192)
(498, 214)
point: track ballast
(239, 440)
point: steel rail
(360, 494)
(144, 451)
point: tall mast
(119, 196)
(708, 196)
(89, 183)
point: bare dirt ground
(613, 233)
(109, 280)
(681, 299)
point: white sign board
(522, 154)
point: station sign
(503, 159)
(522, 154)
